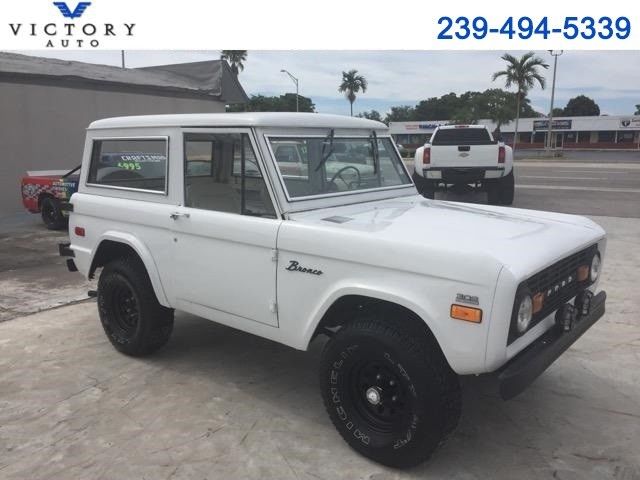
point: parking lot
(218, 403)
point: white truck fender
(346, 290)
(418, 160)
(144, 254)
(508, 164)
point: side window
(130, 163)
(222, 174)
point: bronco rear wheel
(390, 394)
(135, 323)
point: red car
(47, 193)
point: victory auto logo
(72, 34)
(66, 11)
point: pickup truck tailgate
(464, 155)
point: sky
(611, 78)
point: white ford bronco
(462, 157)
(195, 213)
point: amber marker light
(538, 302)
(583, 273)
(468, 314)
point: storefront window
(606, 136)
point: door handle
(176, 215)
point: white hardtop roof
(262, 119)
(451, 127)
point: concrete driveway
(218, 404)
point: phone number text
(605, 28)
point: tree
(500, 106)
(235, 59)
(352, 83)
(283, 103)
(637, 109)
(558, 112)
(372, 115)
(523, 74)
(581, 106)
(438, 108)
(403, 113)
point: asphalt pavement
(606, 189)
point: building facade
(615, 132)
(46, 106)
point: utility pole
(122, 55)
(295, 80)
(555, 54)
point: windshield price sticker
(523, 28)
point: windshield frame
(394, 150)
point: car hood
(524, 241)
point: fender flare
(392, 297)
(145, 255)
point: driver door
(225, 234)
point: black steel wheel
(389, 392)
(135, 323)
(51, 214)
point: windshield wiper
(328, 140)
(373, 138)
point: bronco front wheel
(391, 395)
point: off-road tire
(502, 191)
(425, 187)
(51, 213)
(135, 323)
(427, 389)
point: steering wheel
(349, 185)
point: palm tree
(523, 74)
(351, 84)
(234, 58)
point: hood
(524, 241)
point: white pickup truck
(463, 157)
(334, 243)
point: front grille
(559, 284)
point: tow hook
(566, 317)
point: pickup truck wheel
(52, 214)
(390, 394)
(425, 187)
(135, 323)
(507, 189)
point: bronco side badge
(294, 266)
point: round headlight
(594, 269)
(525, 313)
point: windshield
(349, 165)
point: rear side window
(462, 136)
(139, 164)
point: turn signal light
(468, 314)
(538, 302)
(79, 231)
(426, 156)
(501, 154)
(583, 273)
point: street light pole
(295, 80)
(555, 54)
